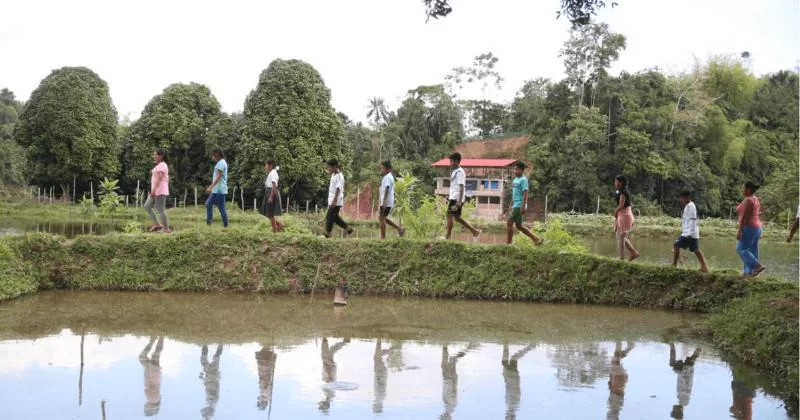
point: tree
(379, 116)
(588, 53)
(12, 155)
(186, 121)
(484, 117)
(578, 12)
(427, 118)
(527, 112)
(289, 117)
(69, 127)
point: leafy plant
(132, 227)
(110, 200)
(555, 237)
(87, 205)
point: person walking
(519, 204)
(218, 188)
(458, 193)
(335, 200)
(749, 231)
(272, 206)
(623, 216)
(690, 232)
(386, 200)
(159, 190)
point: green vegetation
(69, 130)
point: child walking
(335, 200)
(387, 200)
(690, 232)
(519, 204)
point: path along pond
(121, 355)
(780, 258)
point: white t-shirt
(387, 182)
(458, 178)
(689, 227)
(272, 177)
(337, 181)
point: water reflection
(329, 371)
(210, 377)
(685, 372)
(512, 379)
(152, 376)
(617, 380)
(423, 368)
(265, 360)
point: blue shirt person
(218, 188)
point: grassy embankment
(754, 320)
(189, 217)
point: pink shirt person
(159, 187)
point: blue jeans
(219, 201)
(747, 247)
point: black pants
(333, 217)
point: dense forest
(708, 129)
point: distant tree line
(708, 129)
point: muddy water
(96, 355)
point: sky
(363, 48)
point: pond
(113, 355)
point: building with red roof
(486, 183)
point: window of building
(485, 184)
(495, 185)
(494, 200)
(446, 183)
(471, 185)
(483, 199)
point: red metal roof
(477, 163)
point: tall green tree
(12, 155)
(289, 117)
(588, 53)
(428, 118)
(578, 12)
(69, 129)
(186, 121)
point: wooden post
(74, 179)
(185, 195)
(598, 206)
(287, 203)
(137, 194)
(254, 204)
(545, 208)
(50, 197)
(126, 201)
(241, 196)
(358, 201)
(316, 208)
(39, 195)
(195, 196)
(176, 202)
(307, 206)
(233, 196)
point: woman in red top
(749, 230)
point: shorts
(385, 211)
(457, 212)
(516, 215)
(684, 242)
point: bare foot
(633, 257)
(538, 241)
(155, 228)
(704, 269)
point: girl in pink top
(159, 190)
(749, 230)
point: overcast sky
(362, 48)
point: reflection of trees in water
(395, 359)
(210, 377)
(579, 366)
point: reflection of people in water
(329, 371)
(380, 376)
(265, 360)
(685, 370)
(742, 408)
(511, 378)
(210, 377)
(152, 376)
(618, 378)
(450, 380)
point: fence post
(241, 196)
(136, 201)
(545, 208)
(306, 206)
(73, 188)
(598, 206)
(126, 201)
(195, 196)
(176, 202)
(358, 202)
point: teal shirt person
(518, 189)
(222, 185)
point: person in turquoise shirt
(519, 204)
(218, 188)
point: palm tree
(378, 116)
